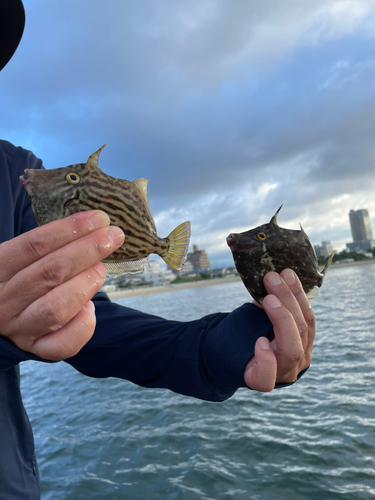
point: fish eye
(261, 236)
(73, 178)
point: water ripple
(108, 439)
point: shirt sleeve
(10, 355)
(205, 358)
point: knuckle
(308, 359)
(50, 314)
(295, 355)
(55, 271)
(299, 294)
(36, 247)
(303, 329)
(310, 321)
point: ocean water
(109, 439)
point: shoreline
(355, 263)
(147, 290)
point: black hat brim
(12, 23)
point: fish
(60, 192)
(270, 247)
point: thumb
(260, 372)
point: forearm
(205, 358)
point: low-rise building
(187, 269)
(108, 288)
(361, 246)
(157, 276)
(199, 259)
(323, 250)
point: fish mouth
(231, 239)
(25, 179)
(72, 201)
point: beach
(146, 290)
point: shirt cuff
(10, 355)
(280, 386)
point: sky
(230, 108)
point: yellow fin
(179, 246)
(130, 267)
(93, 160)
(142, 186)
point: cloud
(229, 108)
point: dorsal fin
(274, 218)
(328, 263)
(93, 160)
(142, 186)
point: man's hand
(47, 278)
(282, 359)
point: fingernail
(273, 279)
(272, 301)
(99, 219)
(289, 277)
(90, 307)
(116, 235)
(101, 269)
(263, 343)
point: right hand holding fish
(47, 278)
(289, 353)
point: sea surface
(109, 439)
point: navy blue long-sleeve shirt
(204, 358)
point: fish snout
(231, 239)
(26, 178)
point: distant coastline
(146, 290)
(355, 263)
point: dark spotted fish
(272, 248)
(57, 193)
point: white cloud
(230, 108)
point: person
(51, 310)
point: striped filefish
(60, 192)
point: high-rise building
(360, 224)
(199, 259)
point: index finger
(295, 286)
(289, 350)
(289, 291)
(24, 250)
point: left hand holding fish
(289, 353)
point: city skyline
(323, 249)
(230, 109)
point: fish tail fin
(328, 263)
(179, 245)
